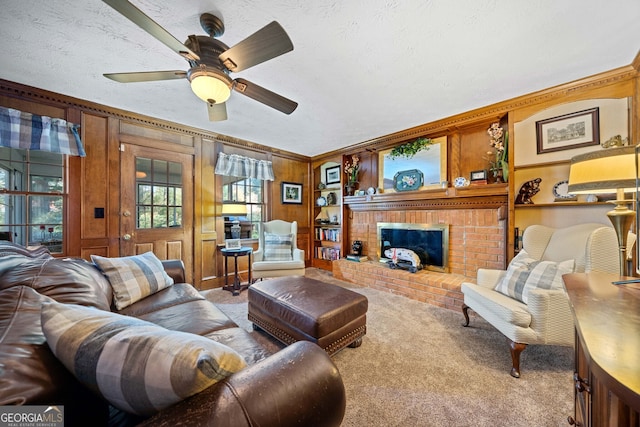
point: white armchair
(546, 316)
(278, 254)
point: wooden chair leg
(465, 311)
(516, 348)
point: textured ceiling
(360, 69)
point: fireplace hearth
(430, 242)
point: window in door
(33, 197)
(158, 193)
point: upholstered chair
(278, 254)
(528, 303)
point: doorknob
(126, 237)
(126, 213)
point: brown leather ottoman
(298, 308)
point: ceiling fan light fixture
(213, 87)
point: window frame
(17, 201)
(255, 208)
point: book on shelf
(357, 258)
(330, 254)
(331, 234)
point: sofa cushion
(277, 247)
(30, 374)
(71, 281)
(525, 274)
(134, 277)
(137, 366)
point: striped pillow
(526, 274)
(277, 247)
(134, 277)
(137, 366)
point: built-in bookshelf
(328, 231)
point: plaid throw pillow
(277, 247)
(133, 278)
(137, 366)
(525, 274)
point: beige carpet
(418, 366)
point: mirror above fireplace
(431, 162)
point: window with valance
(242, 182)
(33, 163)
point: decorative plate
(460, 181)
(371, 190)
(408, 180)
(321, 201)
(561, 190)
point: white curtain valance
(245, 167)
(28, 131)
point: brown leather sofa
(298, 385)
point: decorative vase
(497, 174)
(350, 188)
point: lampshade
(210, 85)
(234, 209)
(603, 171)
(607, 171)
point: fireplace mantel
(479, 197)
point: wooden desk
(607, 361)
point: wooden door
(157, 204)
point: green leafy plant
(410, 149)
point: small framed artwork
(478, 176)
(232, 244)
(332, 175)
(291, 192)
(579, 129)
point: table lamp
(608, 171)
(234, 209)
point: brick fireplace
(477, 238)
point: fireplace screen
(429, 241)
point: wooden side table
(237, 286)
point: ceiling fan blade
(264, 96)
(264, 44)
(146, 76)
(138, 17)
(217, 112)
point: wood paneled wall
(94, 181)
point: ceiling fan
(211, 60)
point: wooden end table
(237, 285)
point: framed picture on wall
(291, 192)
(579, 129)
(332, 175)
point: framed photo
(291, 192)
(579, 129)
(232, 243)
(332, 175)
(480, 175)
